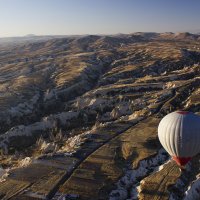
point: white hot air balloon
(179, 134)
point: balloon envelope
(179, 134)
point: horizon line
(87, 34)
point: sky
(76, 17)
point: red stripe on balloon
(183, 112)
(181, 160)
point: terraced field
(79, 116)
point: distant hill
(28, 38)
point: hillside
(79, 116)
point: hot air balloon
(179, 134)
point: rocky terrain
(79, 116)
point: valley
(79, 116)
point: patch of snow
(73, 143)
(44, 125)
(59, 196)
(3, 174)
(93, 102)
(121, 109)
(193, 192)
(47, 147)
(138, 115)
(130, 180)
(25, 162)
(24, 108)
(181, 183)
(35, 195)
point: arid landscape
(79, 116)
